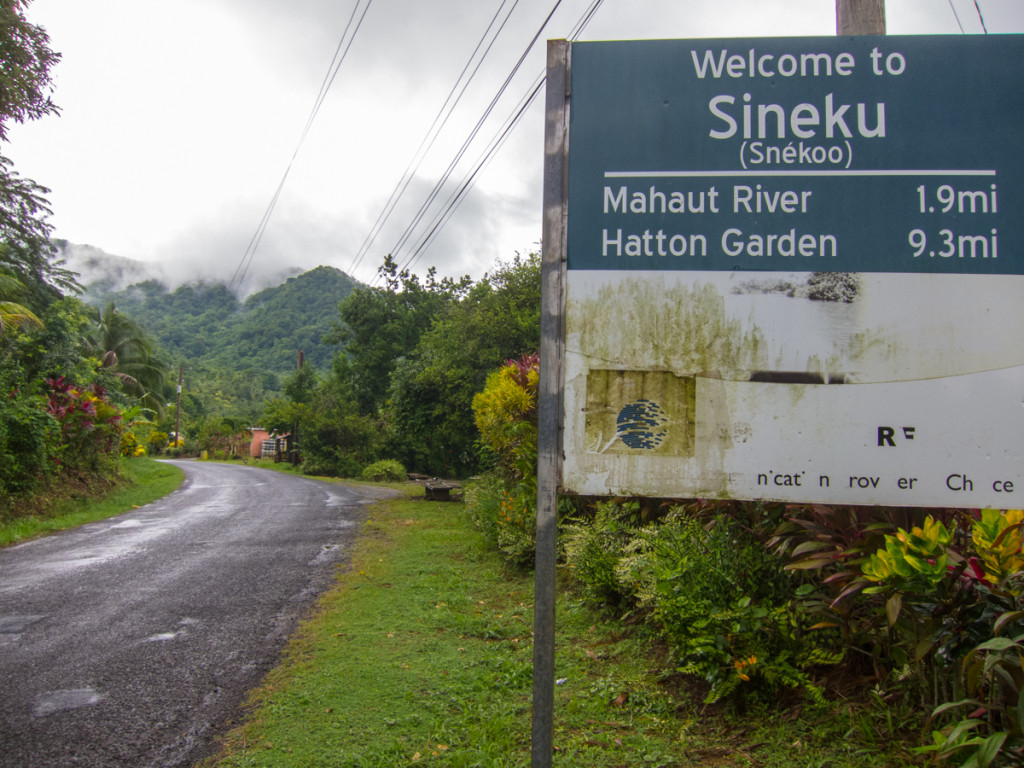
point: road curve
(131, 642)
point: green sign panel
(862, 154)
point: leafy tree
(55, 414)
(54, 347)
(126, 351)
(380, 325)
(25, 87)
(25, 63)
(12, 313)
(431, 391)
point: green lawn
(143, 480)
(422, 655)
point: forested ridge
(204, 325)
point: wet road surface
(131, 642)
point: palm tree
(125, 349)
(12, 313)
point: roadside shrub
(90, 425)
(335, 445)
(599, 551)
(517, 524)
(29, 438)
(506, 515)
(503, 505)
(385, 470)
(318, 466)
(934, 604)
(953, 601)
(506, 415)
(130, 445)
(158, 442)
(726, 607)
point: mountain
(102, 271)
(105, 273)
(204, 325)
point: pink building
(259, 434)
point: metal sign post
(549, 400)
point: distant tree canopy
(415, 352)
(205, 326)
(380, 325)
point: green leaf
(996, 644)
(810, 546)
(892, 608)
(961, 729)
(809, 563)
(990, 749)
(943, 708)
(1005, 618)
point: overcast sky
(179, 119)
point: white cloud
(180, 119)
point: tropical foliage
(126, 350)
(925, 614)
(915, 617)
(67, 390)
(415, 352)
(206, 325)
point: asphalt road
(131, 642)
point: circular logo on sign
(638, 424)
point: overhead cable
(980, 17)
(439, 185)
(956, 16)
(332, 71)
(440, 120)
(456, 198)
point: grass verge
(422, 655)
(140, 482)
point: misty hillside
(105, 272)
(204, 324)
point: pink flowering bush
(90, 425)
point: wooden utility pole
(293, 454)
(177, 413)
(860, 17)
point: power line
(456, 198)
(433, 132)
(332, 72)
(472, 135)
(980, 17)
(956, 16)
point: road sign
(794, 270)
